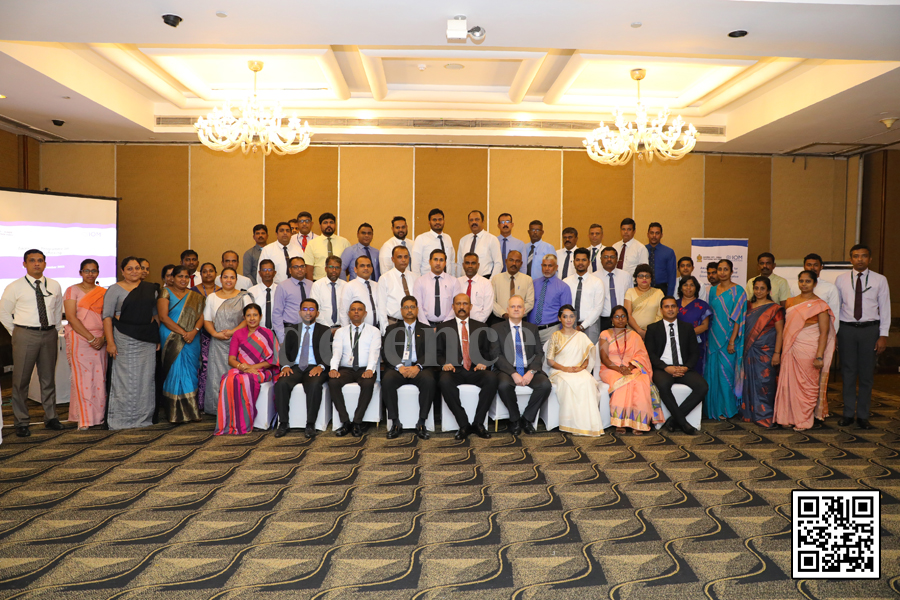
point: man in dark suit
(306, 353)
(519, 358)
(465, 363)
(673, 349)
(403, 353)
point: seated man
(520, 358)
(306, 352)
(356, 351)
(465, 364)
(404, 358)
(673, 349)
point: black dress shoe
(689, 430)
(670, 425)
(281, 431)
(818, 423)
(845, 422)
(422, 432)
(462, 433)
(343, 429)
(863, 424)
(310, 432)
(54, 424)
(357, 430)
(23, 431)
(480, 431)
(514, 427)
(395, 430)
(526, 426)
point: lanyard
(35, 287)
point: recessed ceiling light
(2, 97)
(454, 66)
(737, 33)
(221, 14)
(636, 24)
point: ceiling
(808, 78)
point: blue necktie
(334, 306)
(612, 292)
(504, 256)
(374, 265)
(520, 364)
(539, 309)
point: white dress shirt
(413, 358)
(321, 292)
(667, 352)
(390, 294)
(828, 292)
(18, 305)
(369, 347)
(482, 297)
(487, 247)
(635, 254)
(622, 282)
(422, 248)
(243, 283)
(876, 298)
(258, 292)
(302, 330)
(424, 293)
(561, 261)
(275, 253)
(598, 250)
(357, 290)
(593, 296)
(386, 253)
(298, 237)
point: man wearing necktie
(477, 288)
(288, 297)
(482, 244)
(595, 235)
(363, 247)
(264, 292)
(190, 260)
(615, 283)
(281, 251)
(631, 252)
(434, 291)
(362, 289)
(328, 292)
(399, 231)
(674, 351)
(550, 293)
(306, 353)
(305, 235)
(513, 282)
(519, 357)
(507, 242)
(395, 284)
(355, 357)
(428, 242)
(322, 246)
(536, 249)
(405, 355)
(565, 254)
(588, 295)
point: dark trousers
(663, 287)
(366, 388)
(693, 380)
(392, 380)
(312, 386)
(857, 346)
(449, 383)
(30, 348)
(540, 391)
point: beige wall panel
(9, 159)
(738, 203)
(850, 207)
(839, 209)
(153, 210)
(526, 183)
(803, 206)
(376, 185)
(670, 193)
(306, 181)
(595, 193)
(890, 241)
(454, 180)
(88, 169)
(226, 201)
(33, 149)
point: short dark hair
(712, 265)
(852, 250)
(33, 251)
(304, 213)
(164, 269)
(644, 268)
(362, 257)
(582, 252)
(765, 255)
(184, 254)
(535, 222)
(609, 249)
(809, 272)
(617, 308)
(334, 258)
(595, 226)
(480, 214)
(254, 306)
(143, 260)
(667, 297)
(468, 254)
(628, 221)
(222, 274)
(280, 223)
(312, 301)
(565, 307)
(394, 249)
(176, 270)
(125, 261)
(357, 302)
(501, 215)
(728, 262)
(358, 229)
(685, 280)
(293, 258)
(436, 251)
(231, 252)
(571, 230)
(398, 218)
(214, 268)
(685, 258)
(435, 211)
(91, 261)
(293, 221)
(406, 299)
(325, 216)
(266, 260)
(813, 256)
(765, 280)
(654, 224)
(259, 226)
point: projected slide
(67, 229)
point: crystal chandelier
(643, 138)
(257, 128)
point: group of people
(313, 310)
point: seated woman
(642, 301)
(696, 313)
(808, 348)
(569, 357)
(253, 358)
(222, 316)
(181, 319)
(725, 355)
(762, 353)
(206, 287)
(626, 370)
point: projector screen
(66, 228)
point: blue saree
(723, 370)
(181, 361)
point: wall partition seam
(340, 218)
(859, 198)
(190, 152)
(264, 188)
(561, 185)
(488, 186)
(703, 202)
(412, 231)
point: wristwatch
(532, 371)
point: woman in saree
(695, 312)
(83, 304)
(253, 358)
(129, 307)
(206, 287)
(569, 355)
(762, 353)
(181, 318)
(642, 301)
(725, 355)
(222, 316)
(625, 368)
(808, 349)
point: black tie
(503, 252)
(407, 361)
(578, 301)
(566, 264)
(437, 297)
(302, 290)
(42, 308)
(472, 247)
(857, 301)
(334, 306)
(653, 260)
(356, 349)
(372, 302)
(287, 262)
(441, 240)
(530, 258)
(374, 268)
(673, 344)
(268, 308)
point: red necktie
(621, 262)
(469, 290)
(467, 361)
(304, 243)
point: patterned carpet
(175, 512)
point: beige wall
(88, 169)
(9, 160)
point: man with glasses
(355, 357)
(507, 242)
(328, 293)
(536, 250)
(289, 295)
(264, 292)
(362, 289)
(304, 234)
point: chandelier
(643, 138)
(257, 128)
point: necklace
(616, 340)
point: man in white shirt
(264, 292)
(362, 289)
(595, 234)
(712, 279)
(434, 291)
(190, 260)
(31, 311)
(433, 239)
(355, 357)
(281, 251)
(478, 289)
(328, 292)
(615, 283)
(631, 252)
(507, 242)
(394, 286)
(400, 230)
(781, 290)
(231, 260)
(825, 290)
(588, 295)
(865, 323)
(511, 282)
(305, 235)
(565, 254)
(482, 244)
(685, 268)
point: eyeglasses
(308, 309)
(620, 316)
(267, 270)
(298, 266)
(91, 271)
(304, 221)
(505, 222)
(332, 267)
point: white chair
(351, 400)
(297, 409)
(605, 418)
(681, 393)
(499, 411)
(549, 412)
(408, 408)
(468, 398)
(266, 415)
